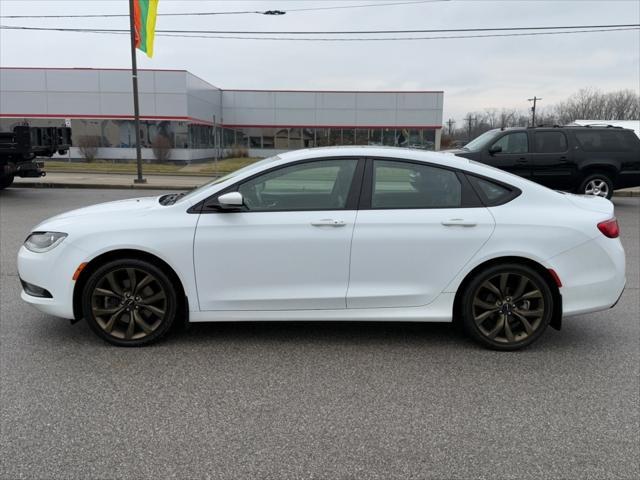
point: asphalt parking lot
(312, 400)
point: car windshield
(478, 143)
(230, 176)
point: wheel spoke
(503, 284)
(484, 305)
(132, 279)
(130, 328)
(528, 295)
(105, 293)
(143, 283)
(112, 321)
(507, 330)
(498, 328)
(483, 316)
(521, 286)
(491, 287)
(529, 313)
(525, 323)
(141, 323)
(113, 283)
(154, 298)
(152, 309)
(98, 312)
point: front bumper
(52, 271)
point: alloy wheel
(597, 187)
(508, 308)
(129, 303)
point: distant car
(345, 233)
(591, 160)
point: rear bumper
(592, 275)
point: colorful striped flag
(144, 16)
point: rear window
(606, 140)
(492, 193)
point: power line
(239, 12)
(329, 32)
(341, 39)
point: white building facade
(201, 121)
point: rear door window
(492, 193)
(550, 142)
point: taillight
(609, 228)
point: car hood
(103, 211)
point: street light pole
(136, 106)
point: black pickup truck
(591, 160)
(20, 148)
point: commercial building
(199, 121)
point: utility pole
(451, 122)
(136, 106)
(533, 110)
(470, 120)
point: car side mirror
(231, 200)
(495, 149)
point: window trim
(211, 205)
(469, 197)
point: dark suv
(592, 160)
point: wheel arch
(609, 169)
(105, 257)
(556, 318)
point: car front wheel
(507, 307)
(129, 302)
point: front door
(288, 247)
(510, 152)
(416, 233)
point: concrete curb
(132, 186)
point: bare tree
(88, 146)
(161, 147)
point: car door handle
(328, 222)
(521, 160)
(564, 159)
(458, 222)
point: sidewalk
(112, 181)
(154, 182)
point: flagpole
(136, 106)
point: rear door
(553, 163)
(513, 155)
(417, 226)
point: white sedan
(343, 233)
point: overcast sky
(474, 73)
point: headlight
(39, 242)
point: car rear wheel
(507, 307)
(5, 181)
(129, 302)
(597, 184)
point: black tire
(5, 181)
(507, 307)
(599, 184)
(129, 310)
